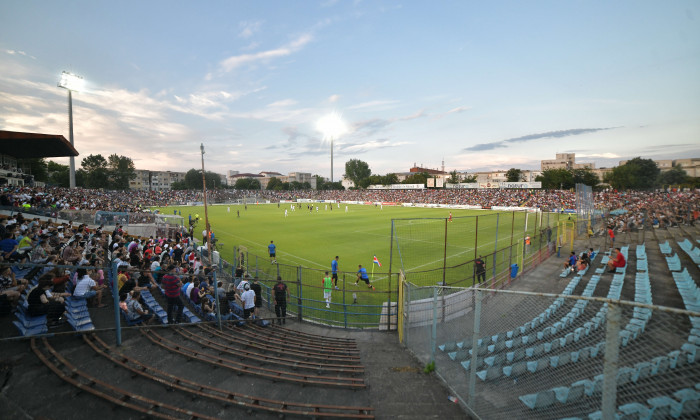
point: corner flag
(376, 261)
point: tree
(514, 175)
(390, 179)
(277, 184)
(357, 170)
(638, 174)
(193, 180)
(121, 171)
(58, 174)
(554, 179)
(469, 179)
(244, 183)
(96, 171)
(585, 176)
(674, 176)
(454, 177)
(417, 178)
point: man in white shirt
(248, 299)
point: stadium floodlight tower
(71, 82)
(332, 127)
(208, 230)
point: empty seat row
(692, 251)
(493, 340)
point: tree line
(115, 172)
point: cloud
(282, 103)
(236, 61)
(375, 105)
(333, 98)
(530, 137)
(249, 28)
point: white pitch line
(263, 246)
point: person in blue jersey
(272, 250)
(334, 270)
(362, 275)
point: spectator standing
(281, 295)
(171, 285)
(255, 287)
(480, 268)
(248, 299)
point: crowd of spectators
(70, 261)
(136, 201)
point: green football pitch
(313, 238)
(423, 241)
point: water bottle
(451, 398)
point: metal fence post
(495, 247)
(433, 330)
(475, 348)
(112, 275)
(345, 306)
(610, 362)
(299, 294)
(216, 298)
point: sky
(482, 85)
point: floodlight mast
(208, 236)
(332, 126)
(70, 82)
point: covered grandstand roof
(34, 145)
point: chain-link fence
(350, 305)
(524, 355)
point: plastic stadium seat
(635, 410)
(538, 365)
(490, 373)
(661, 407)
(588, 386)
(690, 350)
(494, 360)
(560, 360)
(539, 400)
(689, 402)
(515, 370)
(565, 394)
(536, 351)
(642, 370)
(581, 355)
(514, 356)
(624, 375)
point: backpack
(280, 292)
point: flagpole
(372, 270)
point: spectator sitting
(571, 262)
(41, 302)
(87, 288)
(10, 286)
(194, 293)
(617, 261)
(135, 311)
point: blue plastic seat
(539, 400)
(565, 394)
(490, 373)
(689, 402)
(515, 370)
